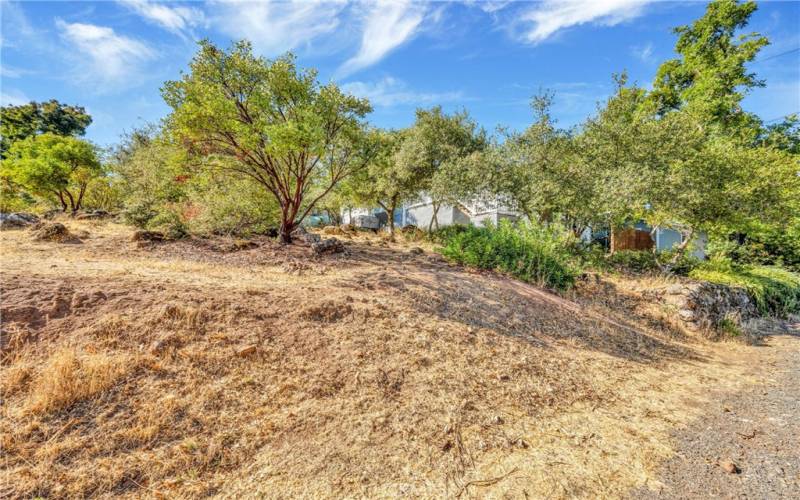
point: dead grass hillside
(188, 369)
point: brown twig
(484, 482)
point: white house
(477, 212)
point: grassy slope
(377, 373)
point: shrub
(634, 261)
(528, 252)
(640, 262)
(775, 291)
(774, 246)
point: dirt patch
(328, 311)
(746, 444)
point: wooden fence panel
(631, 239)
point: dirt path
(758, 430)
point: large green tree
(710, 76)
(20, 122)
(434, 150)
(53, 166)
(538, 173)
(387, 182)
(270, 121)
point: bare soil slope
(187, 369)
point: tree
(710, 76)
(622, 146)
(20, 122)
(387, 182)
(50, 165)
(271, 122)
(434, 150)
(537, 172)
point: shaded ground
(188, 370)
(757, 429)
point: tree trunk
(72, 207)
(79, 203)
(434, 218)
(390, 212)
(63, 203)
(285, 232)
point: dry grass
(376, 374)
(68, 378)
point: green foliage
(710, 76)
(435, 154)
(385, 182)
(161, 192)
(54, 167)
(537, 172)
(633, 261)
(766, 244)
(20, 122)
(269, 121)
(775, 291)
(529, 252)
(729, 327)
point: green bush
(775, 291)
(531, 253)
(633, 261)
(763, 245)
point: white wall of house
(421, 214)
(667, 239)
(355, 212)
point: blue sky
(489, 57)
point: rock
(686, 314)
(498, 420)
(147, 236)
(246, 351)
(416, 250)
(93, 214)
(301, 235)
(331, 245)
(729, 466)
(17, 220)
(675, 289)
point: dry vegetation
(196, 369)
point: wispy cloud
(275, 27)
(177, 19)
(392, 92)
(109, 58)
(387, 25)
(643, 52)
(12, 97)
(7, 71)
(545, 19)
(15, 28)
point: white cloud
(7, 71)
(489, 6)
(547, 18)
(275, 27)
(178, 19)
(391, 92)
(643, 53)
(387, 25)
(105, 57)
(11, 97)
